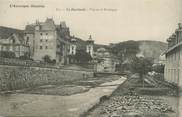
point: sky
(121, 20)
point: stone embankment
(18, 77)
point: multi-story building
(173, 65)
(48, 39)
(14, 43)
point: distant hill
(152, 48)
(128, 49)
(5, 32)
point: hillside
(5, 32)
(128, 49)
(152, 48)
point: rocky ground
(133, 100)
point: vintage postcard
(90, 58)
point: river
(54, 106)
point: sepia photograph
(91, 58)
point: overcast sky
(130, 20)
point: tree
(158, 68)
(141, 66)
(125, 50)
(47, 59)
(26, 56)
(7, 54)
(82, 57)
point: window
(175, 55)
(46, 40)
(46, 33)
(13, 41)
(46, 47)
(7, 48)
(27, 40)
(41, 34)
(41, 40)
(40, 47)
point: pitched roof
(48, 24)
(29, 28)
(172, 48)
(5, 32)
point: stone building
(106, 62)
(14, 43)
(48, 39)
(173, 65)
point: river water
(54, 106)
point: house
(14, 43)
(173, 64)
(106, 61)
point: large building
(173, 65)
(43, 41)
(48, 39)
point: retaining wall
(18, 77)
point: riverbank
(54, 105)
(131, 100)
(67, 88)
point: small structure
(106, 62)
(89, 46)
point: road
(54, 106)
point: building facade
(14, 43)
(173, 65)
(106, 62)
(73, 46)
(48, 39)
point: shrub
(7, 54)
(26, 56)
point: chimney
(37, 21)
(90, 37)
(179, 25)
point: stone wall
(18, 77)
